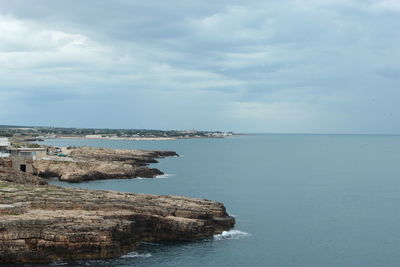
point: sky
(287, 66)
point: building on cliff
(4, 151)
(22, 158)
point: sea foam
(232, 234)
(166, 175)
(163, 176)
(134, 254)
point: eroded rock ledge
(43, 223)
(87, 163)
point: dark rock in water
(145, 172)
(49, 223)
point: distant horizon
(200, 130)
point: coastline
(44, 223)
(141, 138)
(88, 163)
(120, 138)
(47, 223)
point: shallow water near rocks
(299, 200)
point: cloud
(292, 65)
(386, 5)
(21, 36)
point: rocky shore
(86, 163)
(44, 223)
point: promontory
(44, 223)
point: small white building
(4, 144)
(94, 136)
(29, 153)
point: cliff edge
(88, 163)
(44, 223)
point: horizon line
(237, 133)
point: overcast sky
(298, 66)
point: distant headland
(40, 133)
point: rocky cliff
(101, 163)
(43, 223)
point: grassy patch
(3, 185)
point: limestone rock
(47, 223)
(101, 163)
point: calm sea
(299, 200)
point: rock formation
(43, 223)
(101, 163)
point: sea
(298, 199)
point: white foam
(60, 263)
(232, 234)
(134, 254)
(164, 176)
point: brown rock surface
(10, 175)
(101, 163)
(43, 223)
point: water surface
(304, 200)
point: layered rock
(43, 223)
(135, 157)
(101, 163)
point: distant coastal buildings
(39, 133)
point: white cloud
(386, 5)
(33, 54)
(26, 36)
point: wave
(59, 263)
(232, 234)
(163, 176)
(166, 175)
(134, 254)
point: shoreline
(47, 223)
(44, 223)
(88, 163)
(140, 138)
(118, 138)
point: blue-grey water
(303, 200)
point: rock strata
(101, 163)
(44, 223)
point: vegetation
(33, 145)
(5, 134)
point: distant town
(39, 133)
(21, 144)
